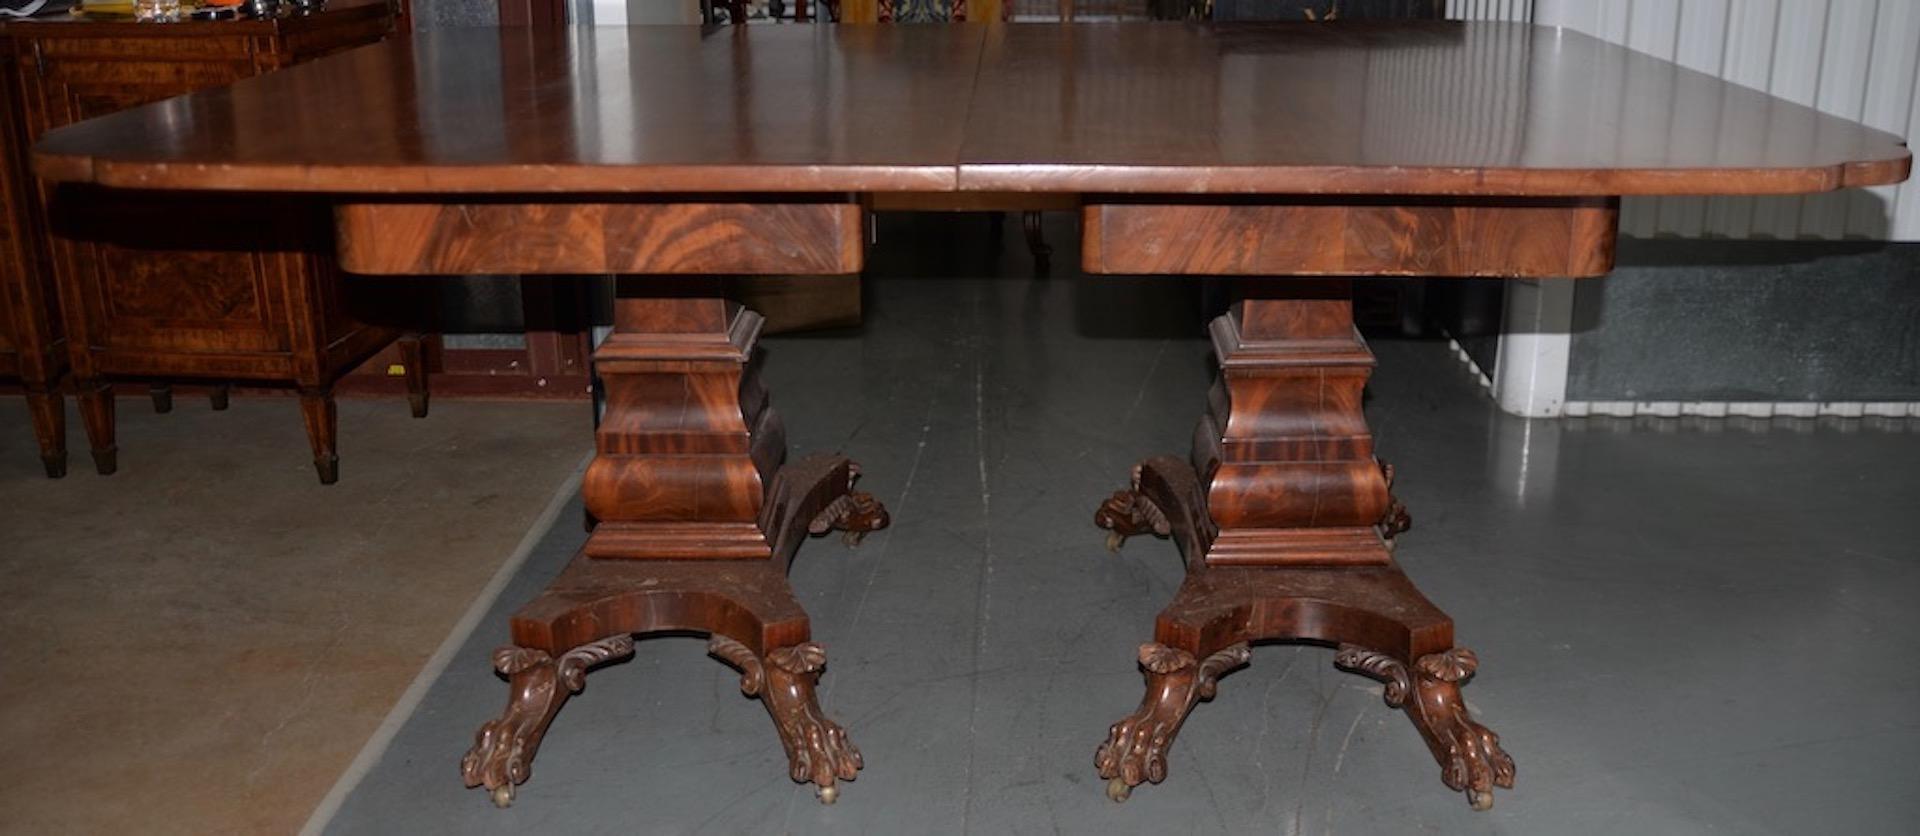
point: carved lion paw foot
(497, 760)
(503, 749)
(1469, 753)
(818, 749)
(1136, 747)
(854, 513)
(1127, 513)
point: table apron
(677, 238)
(1571, 237)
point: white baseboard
(1743, 409)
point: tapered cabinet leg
(503, 750)
(323, 426)
(818, 750)
(413, 355)
(162, 395)
(96, 414)
(49, 412)
(1136, 747)
(220, 396)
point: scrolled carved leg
(1129, 512)
(818, 749)
(503, 749)
(1136, 747)
(1469, 753)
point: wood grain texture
(1514, 239)
(1428, 108)
(1478, 108)
(665, 109)
(773, 238)
(1284, 449)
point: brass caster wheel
(1115, 540)
(1117, 789)
(1482, 800)
(828, 794)
(502, 796)
(852, 539)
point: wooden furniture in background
(1306, 150)
(33, 345)
(159, 287)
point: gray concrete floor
(1682, 629)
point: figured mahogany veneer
(1485, 149)
(657, 238)
(1570, 238)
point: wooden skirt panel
(598, 238)
(1570, 237)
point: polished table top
(1429, 108)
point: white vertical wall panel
(1851, 58)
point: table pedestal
(1286, 522)
(698, 519)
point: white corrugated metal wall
(1854, 58)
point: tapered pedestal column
(698, 517)
(1286, 522)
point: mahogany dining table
(1291, 157)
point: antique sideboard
(1289, 158)
(159, 287)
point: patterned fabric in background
(932, 10)
(923, 11)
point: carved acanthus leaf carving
(1450, 666)
(1219, 663)
(752, 676)
(805, 657)
(1390, 671)
(1161, 659)
(574, 663)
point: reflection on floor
(203, 641)
(1681, 628)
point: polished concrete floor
(1682, 628)
(202, 642)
